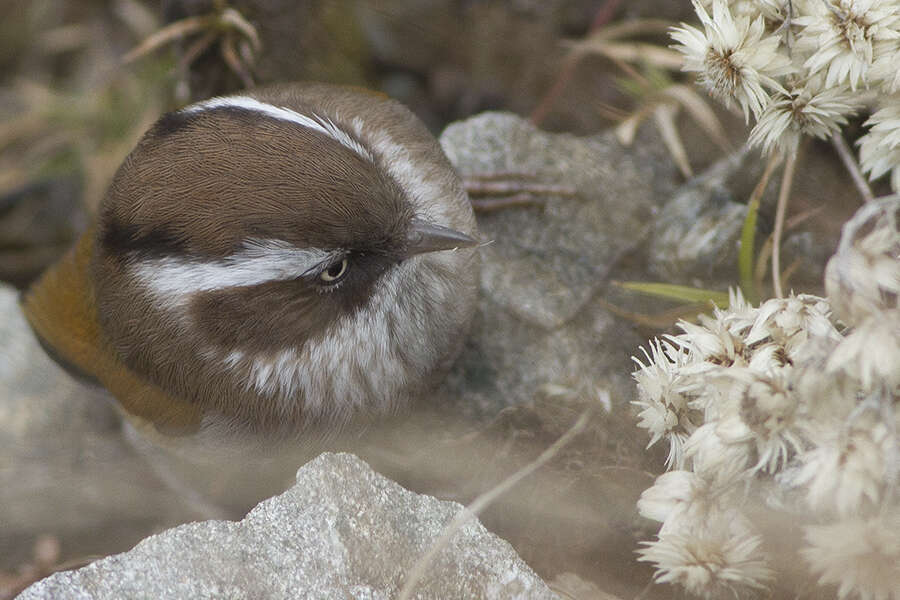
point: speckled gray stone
(342, 531)
(695, 235)
(541, 320)
(545, 263)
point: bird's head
(295, 255)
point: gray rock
(541, 320)
(342, 531)
(696, 234)
(545, 263)
(695, 238)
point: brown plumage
(62, 310)
(274, 261)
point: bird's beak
(427, 237)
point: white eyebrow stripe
(318, 123)
(174, 280)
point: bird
(287, 260)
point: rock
(543, 264)
(342, 531)
(539, 320)
(696, 234)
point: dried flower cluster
(802, 67)
(794, 406)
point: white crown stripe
(315, 122)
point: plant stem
(843, 150)
(783, 194)
(469, 512)
(748, 233)
(567, 70)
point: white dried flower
(863, 276)
(860, 556)
(713, 458)
(870, 354)
(796, 412)
(664, 399)
(711, 341)
(737, 304)
(766, 417)
(713, 350)
(768, 358)
(843, 36)
(714, 562)
(805, 110)
(884, 71)
(739, 316)
(827, 400)
(789, 322)
(846, 469)
(879, 149)
(735, 58)
(684, 501)
(774, 10)
(740, 9)
(676, 496)
(669, 493)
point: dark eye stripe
(118, 239)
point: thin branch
(700, 110)
(566, 72)
(762, 262)
(660, 320)
(643, 593)
(630, 51)
(482, 187)
(784, 193)
(630, 71)
(605, 13)
(749, 283)
(626, 29)
(231, 58)
(467, 513)
(799, 219)
(235, 19)
(763, 182)
(843, 150)
(195, 50)
(169, 33)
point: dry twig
(784, 193)
(481, 502)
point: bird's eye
(335, 272)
